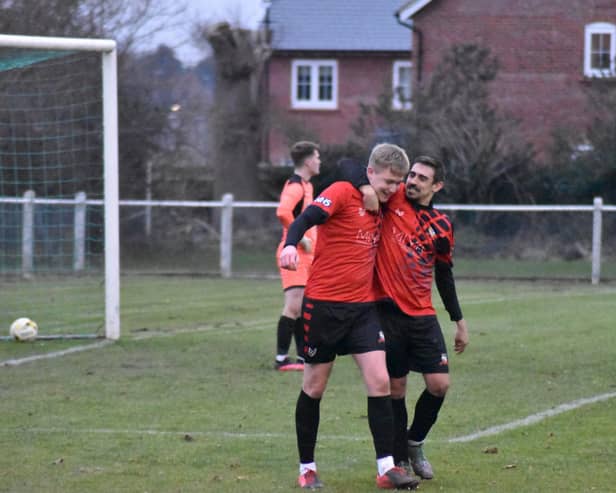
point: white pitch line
(531, 296)
(495, 430)
(215, 434)
(533, 418)
(55, 354)
(228, 329)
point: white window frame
(599, 28)
(314, 103)
(396, 103)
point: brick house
(548, 52)
(327, 57)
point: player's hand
(289, 259)
(370, 199)
(461, 337)
(306, 244)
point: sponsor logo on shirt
(323, 200)
(400, 236)
(368, 237)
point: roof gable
(340, 25)
(411, 8)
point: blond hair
(389, 156)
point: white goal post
(107, 49)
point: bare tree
(129, 23)
(487, 158)
(236, 129)
(453, 118)
(132, 23)
(584, 163)
(141, 120)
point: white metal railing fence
(227, 205)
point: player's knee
(398, 388)
(314, 391)
(379, 386)
(314, 385)
(292, 310)
(439, 389)
(293, 313)
(396, 394)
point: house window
(314, 84)
(600, 49)
(401, 85)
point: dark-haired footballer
(416, 247)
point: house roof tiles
(340, 25)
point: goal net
(58, 186)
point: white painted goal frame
(107, 49)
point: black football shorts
(336, 328)
(412, 343)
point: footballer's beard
(412, 192)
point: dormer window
(600, 50)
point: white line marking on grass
(214, 434)
(528, 296)
(495, 430)
(533, 418)
(55, 354)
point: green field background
(187, 400)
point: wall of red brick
(540, 47)
(361, 79)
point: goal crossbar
(57, 43)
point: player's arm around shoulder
(355, 174)
(369, 198)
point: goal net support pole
(107, 48)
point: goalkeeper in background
(296, 195)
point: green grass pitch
(187, 400)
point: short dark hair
(435, 164)
(301, 150)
